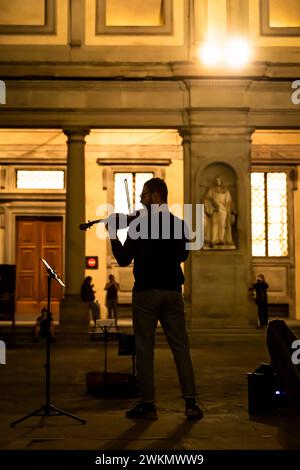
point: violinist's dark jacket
(156, 242)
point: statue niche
(219, 216)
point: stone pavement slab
(220, 367)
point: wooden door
(37, 238)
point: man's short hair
(157, 185)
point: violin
(90, 223)
(117, 221)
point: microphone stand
(47, 409)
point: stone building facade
(99, 87)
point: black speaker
(126, 345)
(7, 291)
(7, 278)
(112, 384)
(265, 394)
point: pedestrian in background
(88, 295)
(261, 299)
(112, 288)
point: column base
(220, 323)
(74, 316)
(243, 318)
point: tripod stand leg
(33, 413)
(45, 410)
(133, 365)
(58, 411)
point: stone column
(74, 314)
(2, 237)
(186, 142)
(220, 278)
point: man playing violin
(156, 242)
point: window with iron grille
(269, 224)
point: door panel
(51, 236)
(37, 238)
(27, 287)
(26, 278)
(50, 232)
(52, 256)
(28, 233)
(27, 259)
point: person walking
(261, 299)
(153, 242)
(41, 326)
(112, 288)
(88, 295)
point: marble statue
(219, 216)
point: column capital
(217, 134)
(185, 133)
(76, 134)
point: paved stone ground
(221, 362)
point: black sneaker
(193, 410)
(142, 411)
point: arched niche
(217, 184)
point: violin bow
(88, 224)
(127, 196)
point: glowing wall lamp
(235, 53)
(209, 54)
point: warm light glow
(120, 199)
(277, 214)
(209, 53)
(125, 13)
(284, 13)
(43, 179)
(237, 52)
(135, 186)
(269, 219)
(140, 180)
(258, 214)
